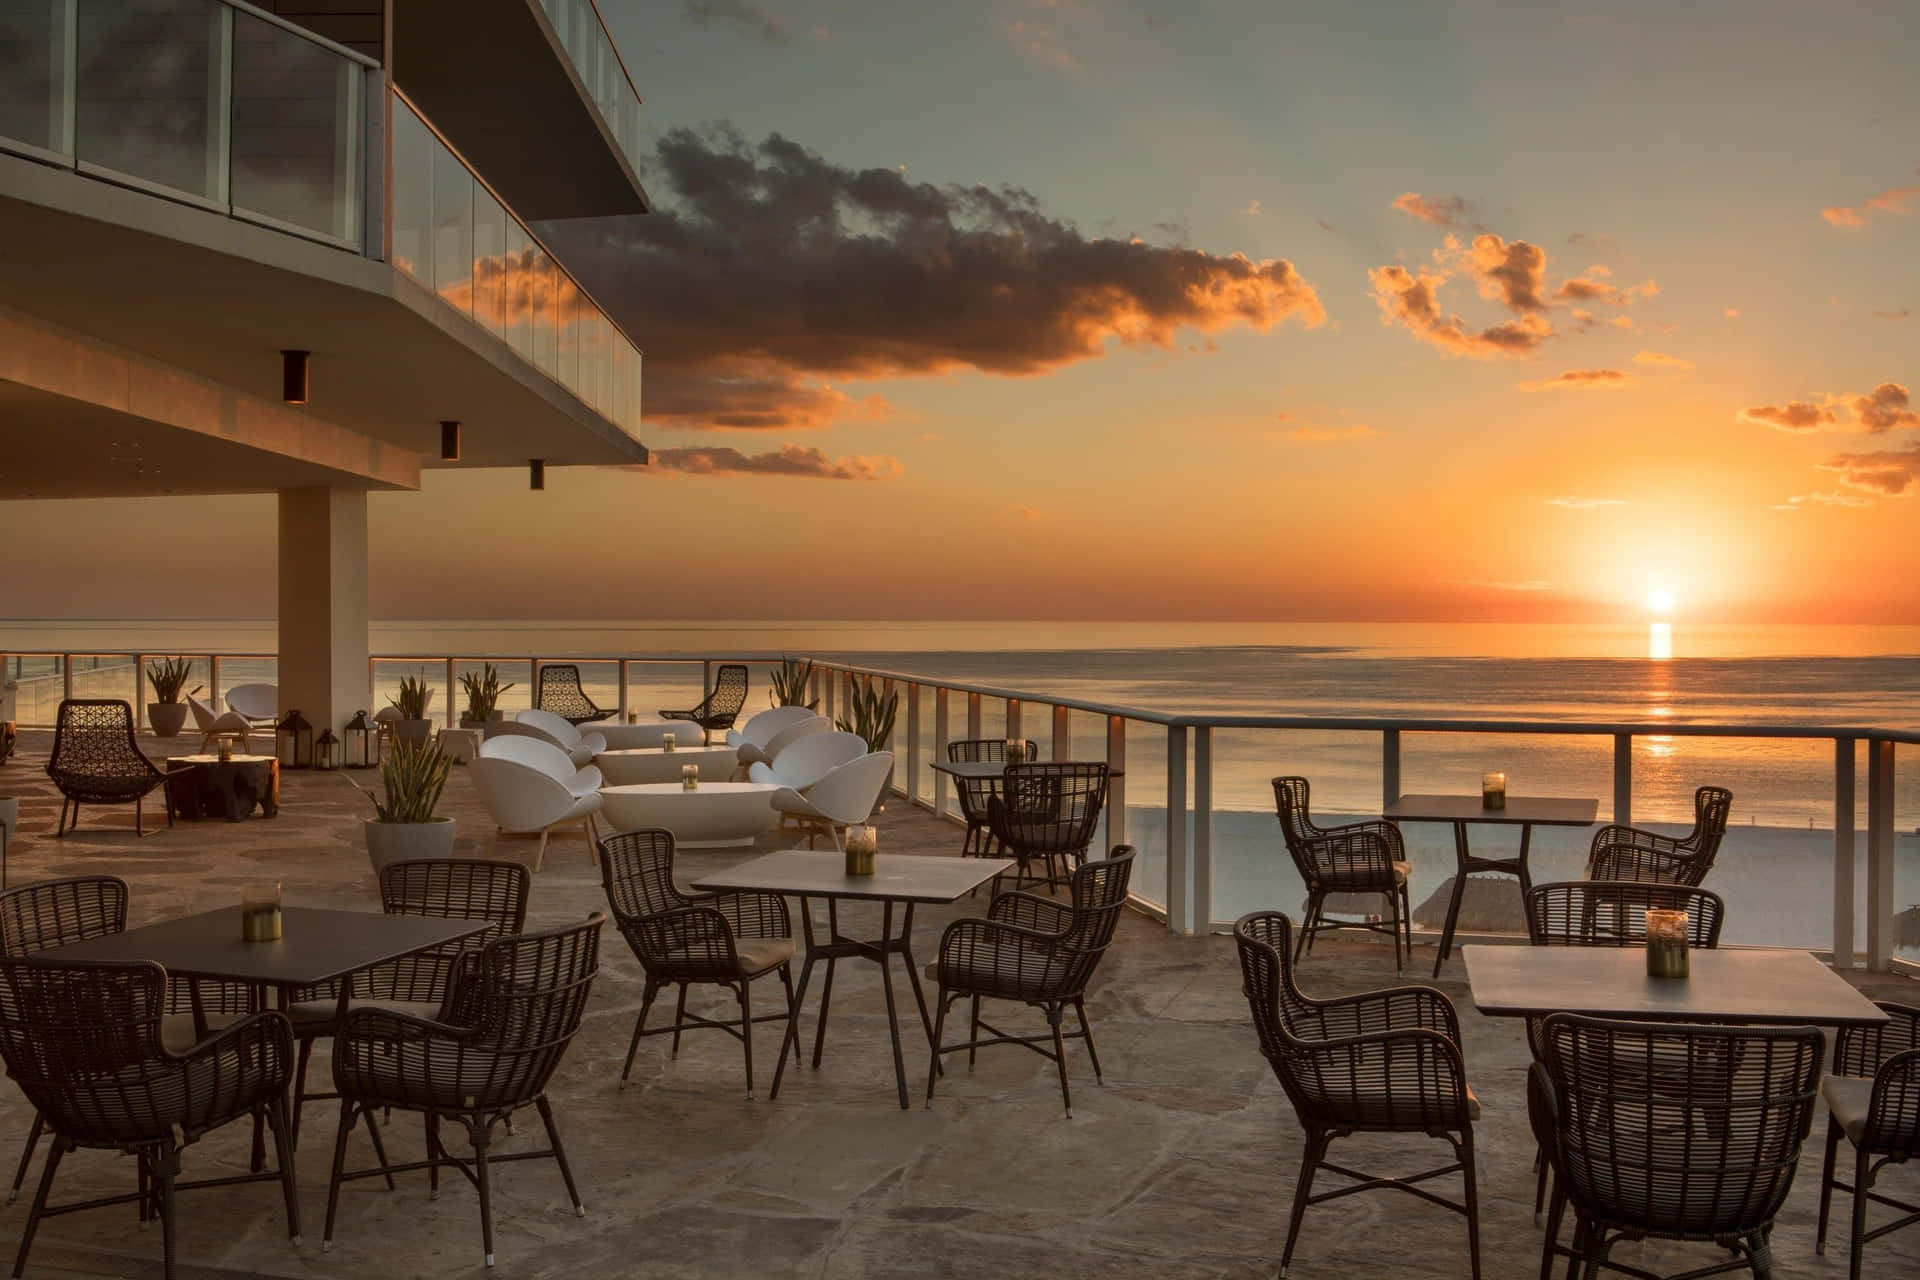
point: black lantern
(358, 747)
(293, 742)
(326, 750)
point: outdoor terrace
(1182, 1166)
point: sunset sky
(1091, 308)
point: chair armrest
(751, 915)
(1628, 853)
(1008, 947)
(1357, 855)
(1416, 1075)
(1394, 1009)
(229, 1073)
(1030, 911)
(1387, 831)
(1861, 1051)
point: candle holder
(690, 776)
(1493, 791)
(224, 753)
(862, 842)
(1667, 953)
(667, 743)
(1016, 751)
(633, 717)
(260, 912)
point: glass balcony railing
(452, 235)
(208, 101)
(584, 36)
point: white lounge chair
(523, 798)
(540, 754)
(761, 728)
(846, 795)
(580, 747)
(802, 763)
(259, 703)
(212, 727)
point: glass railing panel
(411, 241)
(1906, 852)
(567, 307)
(546, 314)
(516, 290)
(489, 260)
(36, 74)
(296, 144)
(152, 92)
(1147, 810)
(453, 230)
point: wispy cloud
(1525, 585)
(744, 16)
(1662, 358)
(1730, 313)
(789, 460)
(1897, 201)
(1884, 408)
(1583, 380)
(1891, 472)
(1441, 211)
(1041, 42)
(1822, 498)
(1412, 301)
(1329, 435)
(1577, 503)
(1028, 513)
(1901, 314)
(1888, 407)
(1794, 415)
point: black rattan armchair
(1873, 1098)
(1048, 813)
(1360, 857)
(560, 692)
(1628, 853)
(1039, 952)
(1645, 1143)
(83, 1041)
(1383, 1061)
(721, 939)
(95, 760)
(513, 1009)
(974, 794)
(721, 706)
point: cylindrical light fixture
(536, 473)
(293, 376)
(449, 442)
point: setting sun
(1660, 600)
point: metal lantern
(358, 747)
(326, 750)
(293, 742)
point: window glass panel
(33, 73)
(452, 229)
(413, 148)
(152, 100)
(516, 291)
(295, 132)
(546, 339)
(489, 259)
(567, 321)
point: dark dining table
(990, 770)
(1525, 812)
(898, 880)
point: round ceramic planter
(415, 733)
(389, 842)
(167, 718)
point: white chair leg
(540, 858)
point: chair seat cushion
(1850, 1098)
(756, 955)
(1012, 973)
(177, 1033)
(1402, 871)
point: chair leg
(283, 1160)
(166, 1168)
(540, 857)
(679, 1018)
(939, 1029)
(1826, 1183)
(1554, 1214)
(300, 1084)
(1086, 1033)
(1306, 926)
(559, 1154)
(479, 1134)
(1302, 1188)
(1470, 1175)
(973, 1035)
(746, 1031)
(26, 1156)
(1862, 1175)
(435, 1153)
(639, 1025)
(379, 1147)
(1054, 1017)
(139, 803)
(54, 1152)
(340, 1133)
(793, 1031)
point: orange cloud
(1441, 211)
(1887, 407)
(1413, 302)
(1576, 503)
(1328, 435)
(1589, 288)
(789, 460)
(1583, 380)
(1794, 415)
(1892, 472)
(1512, 273)
(1662, 358)
(1824, 498)
(1884, 408)
(1898, 201)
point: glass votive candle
(690, 776)
(1016, 751)
(260, 912)
(1667, 954)
(862, 842)
(667, 743)
(224, 753)
(1493, 790)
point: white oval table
(647, 733)
(715, 815)
(634, 765)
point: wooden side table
(209, 787)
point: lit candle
(667, 743)
(1667, 955)
(1493, 790)
(690, 776)
(862, 842)
(260, 912)
(1016, 751)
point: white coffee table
(647, 733)
(715, 815)
(636, 765)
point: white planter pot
(389, 842)
(414, 732)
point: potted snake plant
(483, 689)
(167, 713)
(405, 824)
(872, 716)
(413, 726)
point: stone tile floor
(1182, 1165)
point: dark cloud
(789, 460)
(743, 16)
(1441, 211)
(1884, 408)
(1512, 272)
(1413, 301)
(1901, 314)
(1893, 472)
(768, 268)
(1794, 415)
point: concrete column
(323, 605)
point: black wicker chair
(95, 760)
(1384, 1061)
(83, 1041)
(1039, 952)
(721, 939)
(1628, 853)
(560, 692)
(1671, 1132)
(975, 794)
(721, 707)
(447, 888)
(1873, 1099)
(1360, 857)
(1047, 813)
(513, 1008)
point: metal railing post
(1843, 800)
(139, 685)
(973, 715)
(939, 747)
(1062, 734)
(1179, 889)
(213, 679)
(1389, 767)
(1116, 786)
(1623, 779)
(1200, 904)
(452, 719)
(706, 676)
(829, 693)
(1880, 877)
(66, 676)
(913, 742)
(626, 690)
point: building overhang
(493, 77)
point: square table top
(982, 770)
(1733, 985)
(822, 873)
(318, 944)
(1537, 811)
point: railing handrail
(310, 36)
